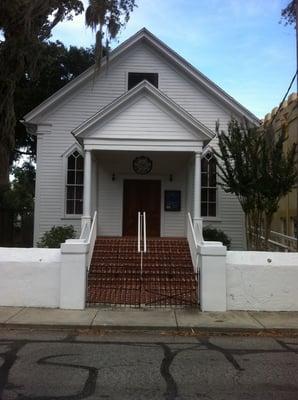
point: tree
(19, 202)
(58, 65)
(26, 25)
(253, 166)
(105, 17)
(288, 14)
(20, 198)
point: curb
(187, 331)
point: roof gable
(149, 107)
(165, 51)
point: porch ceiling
(163, 163)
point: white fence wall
(29, 277)
(238, 280)
(262, 281)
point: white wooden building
(130, 137)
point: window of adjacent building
(283, 226)
(134, 78)
(209, 191)
(74, 183)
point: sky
(238, 44)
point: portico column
(87, 187)
(197, 188)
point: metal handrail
(139, 231)
(142, 236)
(192, 242)
(279, 240)
(92, 239)
(192, 230)
(144, 232)
(282, 235)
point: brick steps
(167, 277)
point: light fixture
(113, 176)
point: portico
(143, 126)
(167, 193)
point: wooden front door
(141, 195)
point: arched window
(208, 179)
(74, 183)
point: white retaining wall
(238, 280)
(30, 277)
(262, 281)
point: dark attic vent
(135, 78)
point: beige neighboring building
(285, 220)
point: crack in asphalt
(9, 358)
(226, 353)
(171, 386)
(88, 389)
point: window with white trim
(74, 183)
(209, 189)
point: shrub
(56, 235)
(216, 235)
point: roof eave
(164, 49)
(80, 79)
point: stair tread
(168, 277)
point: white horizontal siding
(109, 203)
(230, 215)
(104, 88)
(92, 96)
(50, 184)
(174, 221)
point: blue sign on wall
(172, 200)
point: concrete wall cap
(74, 248)
(210, 250)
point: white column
(213, 289)
(87, 187)
(197, 188)
(73, 275)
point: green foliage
(106, 19)
(253, 166)
(20, 197)
(25, 26)
(216, 235)
(57, 66)
(288, 14)
(56, 235)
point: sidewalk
(128, 318)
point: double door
(144, 196)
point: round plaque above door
(142, 165)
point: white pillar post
(197, 189)
(87, 188)
(213, 289)
(73, 274)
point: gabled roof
(144, 88)
(162, 48)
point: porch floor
(167, 278)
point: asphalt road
(39, 365)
